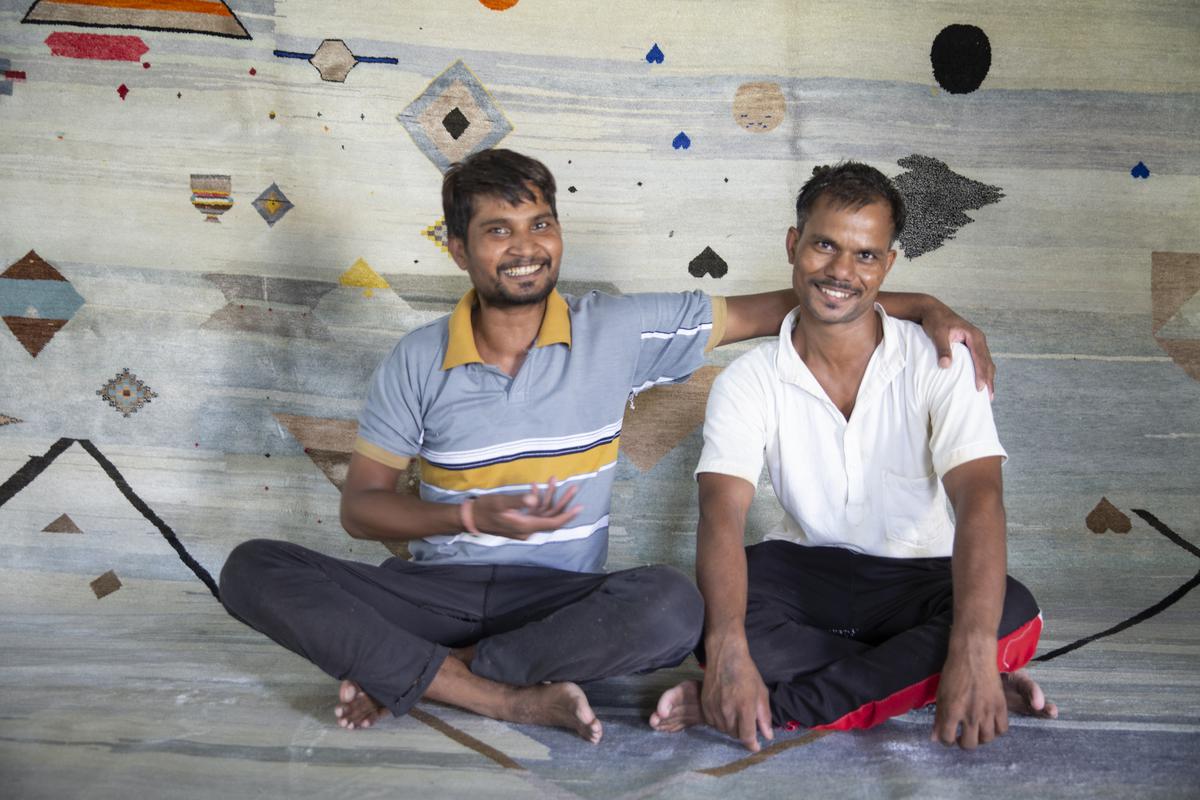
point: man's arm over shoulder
(752, 315)
(674, 330)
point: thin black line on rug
(1162, 605)
(36, 465)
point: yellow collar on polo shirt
(555, 329)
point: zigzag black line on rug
(36, 465)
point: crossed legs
(845, 641)
(507, 642)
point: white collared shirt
(871, 483)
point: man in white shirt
(868, 601)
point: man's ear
(793, 238)
(458, 251)
(891, 259)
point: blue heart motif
(1140, 171)
(655, 56)
(681, 140)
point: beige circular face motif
(759, 107)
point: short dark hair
(498, 173)
(850, 184)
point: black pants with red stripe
(844, 640)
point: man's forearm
(383, 515)
(721, 558)
(979, 564)
(979, 569)
(749, 316)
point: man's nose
(521, 242)
(841, 266)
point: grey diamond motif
(439, 133)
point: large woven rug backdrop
(218, 217)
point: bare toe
(678, 708)
(1025, 697)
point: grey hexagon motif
(454, 117)
(333, 60)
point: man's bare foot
(563, 705)
(678, 708)
(356, 708)
(1025, 697)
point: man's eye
(867, 256)
(540, 226)
(498, 231)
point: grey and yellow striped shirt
(477, 430)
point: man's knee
(244, 570)
(1019, 606)
(671, 603)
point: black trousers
(389, 627)
(844, 640)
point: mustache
(836, 285)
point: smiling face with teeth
(511, 252)
(840, 258)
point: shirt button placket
(856, 507)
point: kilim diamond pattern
(36, 301)
(126, 393)
(445, 136)
(437, 234)
(272, 204)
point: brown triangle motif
(316, 433)
(63, 524)
(334, 465)
(33, 333)
(1185, 353)
(32, 268)
(1174, 279)
(329, 443)
(663, 417)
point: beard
(500, 295)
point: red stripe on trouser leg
(1012, 652)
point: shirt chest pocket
(914, 511)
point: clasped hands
(519, 516)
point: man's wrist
(466, 515)
(964, 639)
(726, 640)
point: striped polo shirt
(477, 431)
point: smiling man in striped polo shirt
(512, 405)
